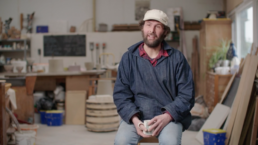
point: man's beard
(153, 44)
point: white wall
(74, 12)
(116, 43)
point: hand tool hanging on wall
(103, 51)
(91, 49)
(97, 54)
(21, 21)
(29, 21)
(7, 25)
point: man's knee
(125, 140)
(171, 134)
(170, 140)
(122, 140)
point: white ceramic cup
(145, 123)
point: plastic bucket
(54, 117)
(26, 127)
(25, 138)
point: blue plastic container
(43, 117)
(54, 118)
(214, 136)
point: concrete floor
(78, 135)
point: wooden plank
(215, 120)
(255, 124)
(242, 64)
(233, 112)
(30, 84)
(75, 107)
(248, 136)
(248, 119)
(244, 100)
(3, 140)
(227, 88)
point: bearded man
(154, 83)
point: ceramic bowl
(19, 68)
(8, 68)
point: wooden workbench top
(65, 73)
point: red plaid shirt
(154, 61)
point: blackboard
(65, 45)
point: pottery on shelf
(19, 68)
(8, 68)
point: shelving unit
(9, 42)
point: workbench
(75, 81)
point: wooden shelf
(18, 50)
(14, 40)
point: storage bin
(214, 136)
(54, 117)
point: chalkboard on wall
(65, 45)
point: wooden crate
(216, 85)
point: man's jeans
(170, 135)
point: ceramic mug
(145, 123)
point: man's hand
(139, 128)
(158, 123)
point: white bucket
(25, 138)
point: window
(245, 31)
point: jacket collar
(134, 48)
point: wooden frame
(254, 125)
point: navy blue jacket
(149, 91)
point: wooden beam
(248, 119)
(255, 124)
(233, 112)
(244, 100)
